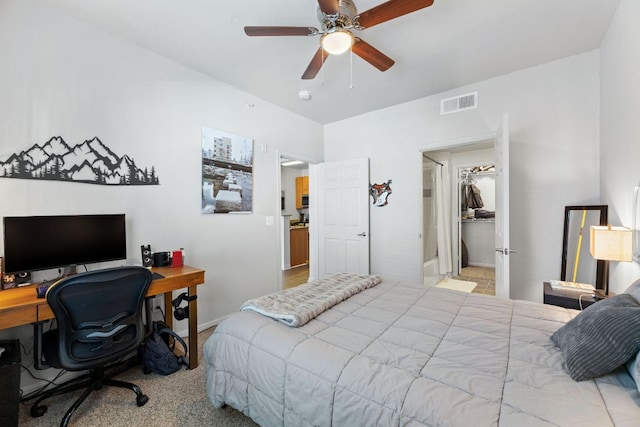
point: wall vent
(459, 103)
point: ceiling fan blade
(328, 7)
(372, 55)
(280, 31)
(390, 10)
(315, 65)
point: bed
(403, 354)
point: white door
(342, 210)
(502, 208)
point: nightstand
(566, 299)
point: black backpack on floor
(157, 351)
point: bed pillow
(634, 290)
(601, 338)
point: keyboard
(571, 286)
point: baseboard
(479, 264)
(202, 326)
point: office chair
(100, 321)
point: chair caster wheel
(142, 399)
(38, 411)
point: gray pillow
(634, 290)
(601, 338)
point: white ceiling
(447, 45)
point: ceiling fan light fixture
(337, 42)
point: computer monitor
(44, 242)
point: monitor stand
(69, 270)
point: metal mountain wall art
(91, 162)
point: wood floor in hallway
(295, 276)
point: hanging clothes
(473, 199)
(463, 199)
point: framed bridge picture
(227, 172)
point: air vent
(459, 103)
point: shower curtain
(443, 217)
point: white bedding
(402, 354)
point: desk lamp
(609, 243)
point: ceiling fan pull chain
(321, 67)
(351, 68)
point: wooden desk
(21, 306)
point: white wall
(553, 111)
(62, 77)
(288, 184)
(619, 131)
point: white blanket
(296, 306)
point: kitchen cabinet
(299, 238)
(302, 189)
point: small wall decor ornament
(91, 162)
(380, 193)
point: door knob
(363, 234)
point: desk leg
(168, 309)
(193, 329)
(193, 323)
(37, 345)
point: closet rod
(429, 158)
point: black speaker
(16, 279)
(147, 259)
(10, 382)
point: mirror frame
(600, 264)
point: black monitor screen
(42, 242)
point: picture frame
(227, 172)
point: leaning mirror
(577, 263)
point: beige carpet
(458, 285)
(174, 401)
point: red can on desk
(176, 259)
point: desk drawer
(18, 316)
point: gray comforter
(401, 354)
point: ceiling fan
(337, 19)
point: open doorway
(476, 226)
(295, 219)
(453, 250)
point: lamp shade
(337, 42)
(610, 243)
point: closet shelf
(482, 173)
(479, 220)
